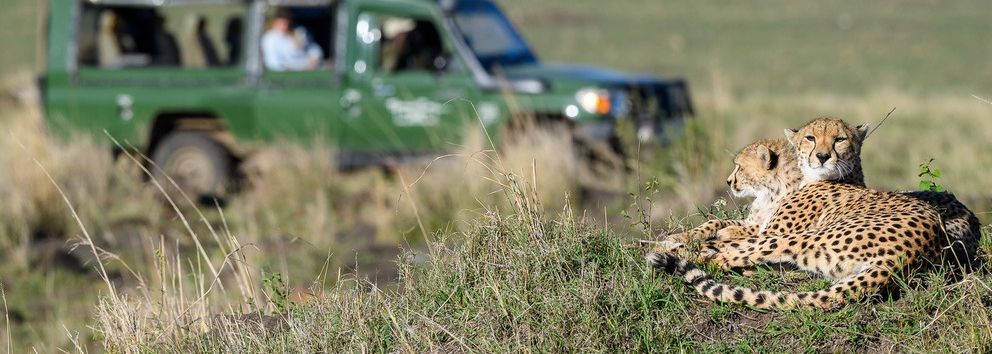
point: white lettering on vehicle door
(418, 112)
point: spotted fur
(856, 236)
(760, 172)
(768, 171)
(827, 149)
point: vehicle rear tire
(199, 165)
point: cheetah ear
(766, 156)
(862, 131)
(789, 134)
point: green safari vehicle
(196, 85)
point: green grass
(301, 218)
(296, 216)
(521, 281)
(19, 38)
(494, 283)
(773, 46)
(769, 46)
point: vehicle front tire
(198, 164)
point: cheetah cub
(855, 236)
(765, 170)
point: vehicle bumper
(662, 111)
(602, 131)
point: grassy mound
(521, 281)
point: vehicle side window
(192, 36)
(409, 45)
(299, 38)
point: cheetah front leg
(707, 231)
(737, 232)
(725, 240)
(740, 247)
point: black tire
(199, 165)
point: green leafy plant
(640, 220)
(928, 177)
(277, 290)
(721, 209)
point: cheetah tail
(828, 299)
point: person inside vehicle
(285, 48)
(394, 33)
(108, 46)
(421, 47)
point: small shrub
(928, 177)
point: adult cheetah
(767, 170)
(856, 236)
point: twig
(75, 216)
(216, 279)
(940, 314)
(182, 217)
(445, 330)
(880, 123)
(650, 242)
(413, 204)
(981, 99)
(6, 317)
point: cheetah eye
(810, 138)
(840, 139)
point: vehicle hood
(572, 74)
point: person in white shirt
(285, 48)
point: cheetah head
(827, 148)
(762, 168)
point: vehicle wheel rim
(192, 170)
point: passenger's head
(282, 21)
(397, 28)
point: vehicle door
(412, 94)
(298, 100)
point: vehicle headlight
(596, 101)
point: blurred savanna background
(300, 226)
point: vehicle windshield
(490, 35)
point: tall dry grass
(523, 279)
(175, 286)
(188, 301)
(949, 128)
(300, 217)
(30, 205)
(297, 216)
